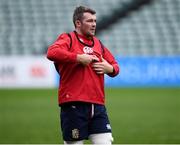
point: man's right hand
(86, 59)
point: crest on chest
(87, 50)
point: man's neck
(83, 35)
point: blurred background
(143, 100)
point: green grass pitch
(137, 115)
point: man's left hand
(102, 67)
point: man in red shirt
(82, 60)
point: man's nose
(94, 24)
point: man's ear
(78, 23)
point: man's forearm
(57, 54)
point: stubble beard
(90, 34)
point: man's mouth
(93, 29)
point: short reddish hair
(79, 11)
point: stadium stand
(27, 27)
(152, 30)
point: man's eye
(91, 20)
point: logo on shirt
(87, 50)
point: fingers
(95, 58)
(103, 60)
(99, 71)
(102, 67)
(86, 59)
(97, 65)
(98, 68)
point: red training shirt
(79, 82)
